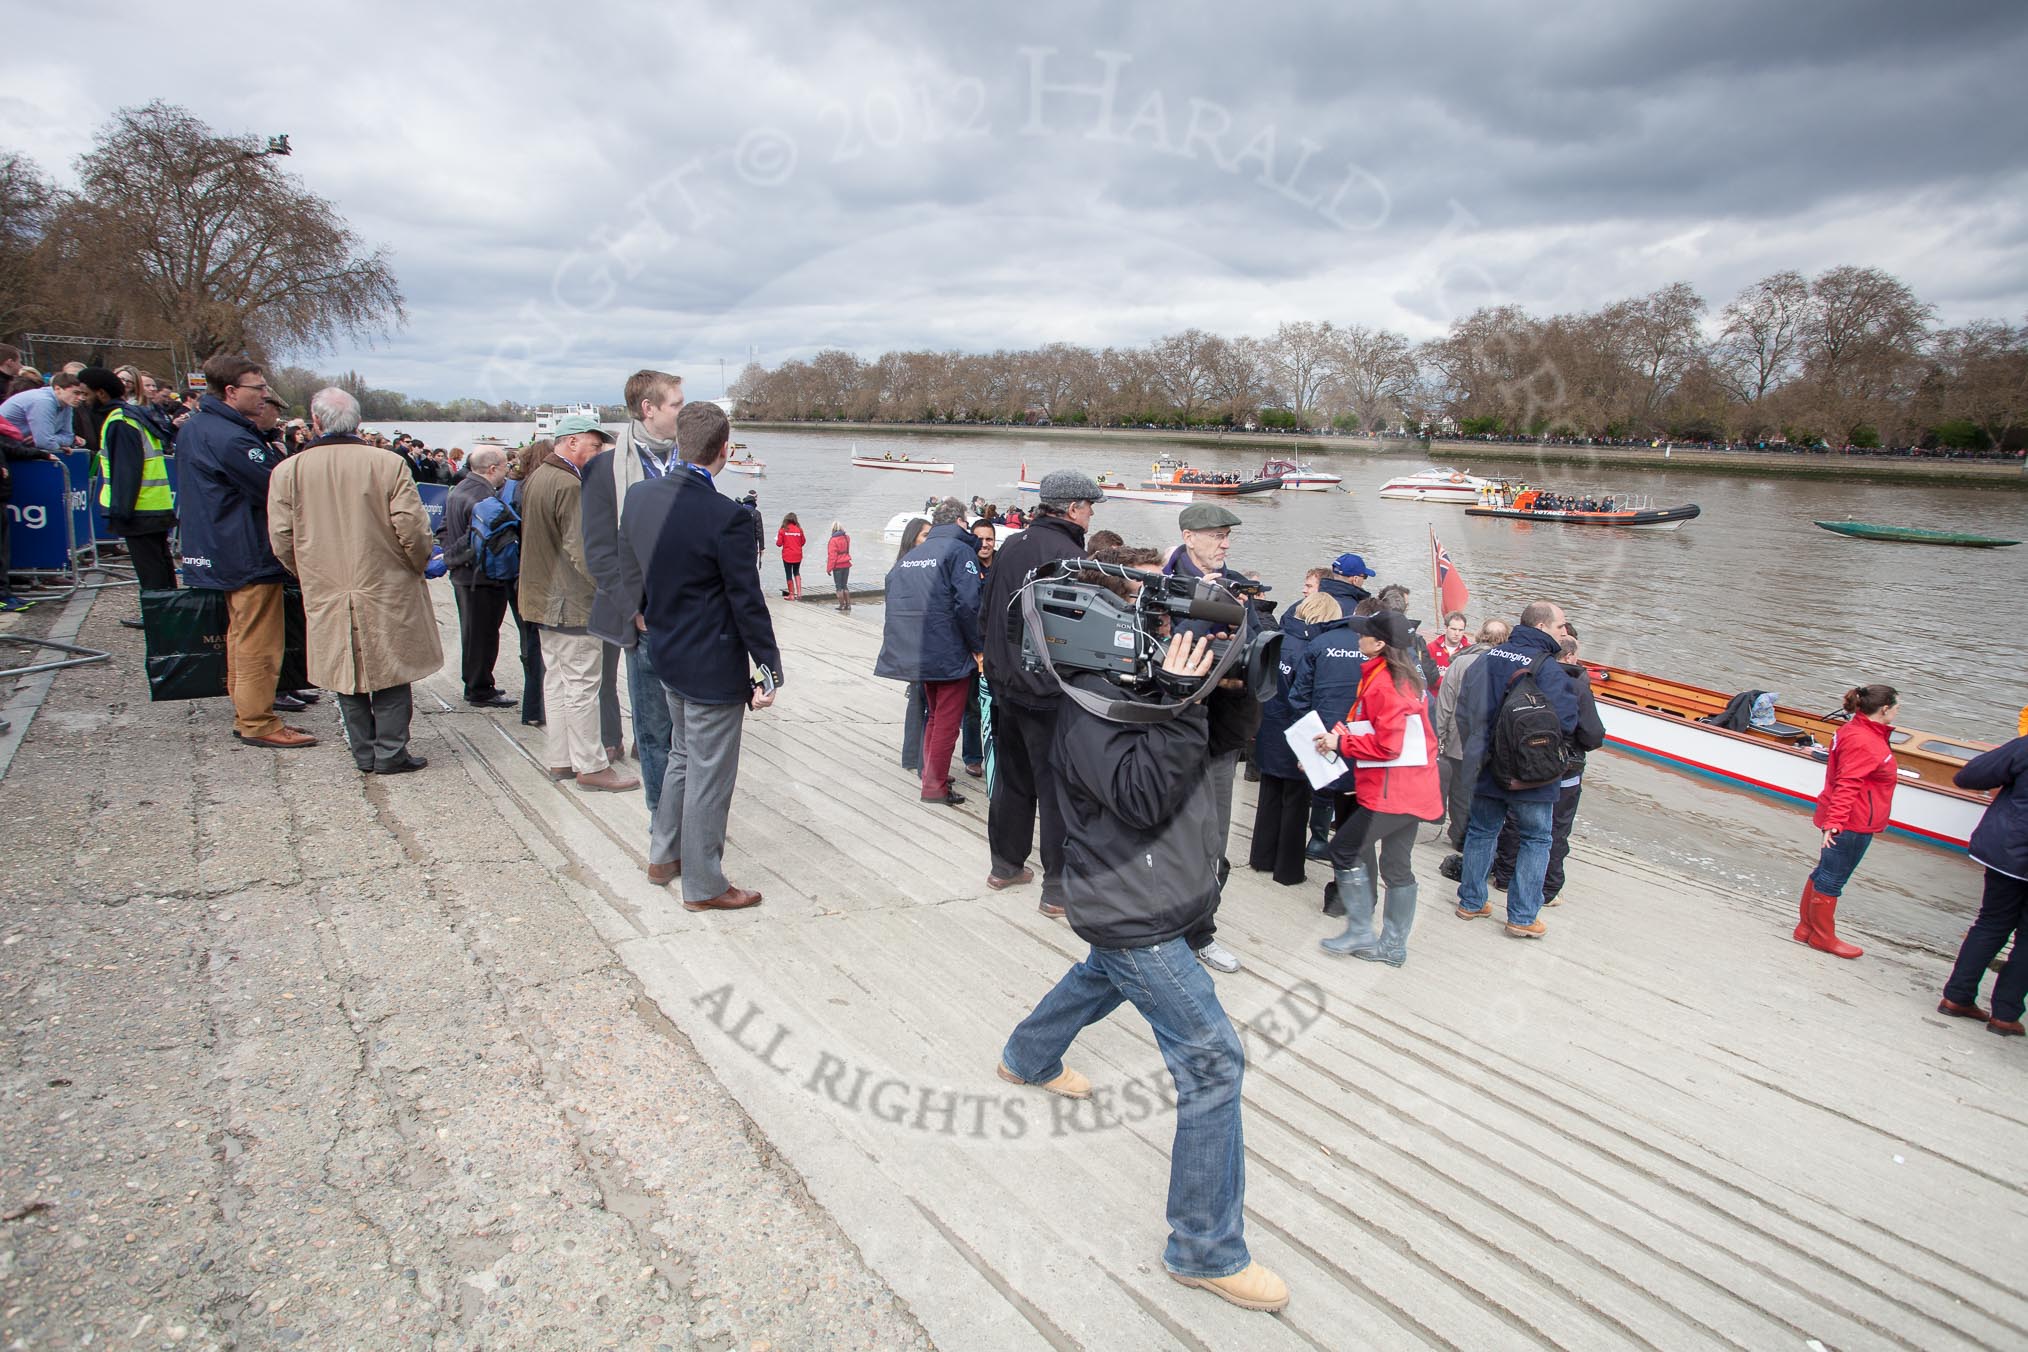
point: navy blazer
(689, 550)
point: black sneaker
(1453, 867)
(951, 798)
(288, 704)
(402, 766)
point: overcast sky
(570, 192)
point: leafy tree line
(1849, 357)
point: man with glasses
(225, 465)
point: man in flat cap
(1025, 702)
(1234, 713)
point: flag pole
(1436, 587)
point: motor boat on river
(1297, 477)
(889, 460)
(1438, 485)
(1781, 751)
(1172, 474)
(1617, 509)
(1116, 489)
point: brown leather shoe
(2004, 1027)
(1480, 914)
(1000, 884)
(662, 874)
(287, 738)
(731, 899)
(608, 780)
(1958, 1011)
(1050, 909)
(560, 772)
(1534, 929)
(616, 754)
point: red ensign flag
(1451, 592)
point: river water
(1749, 595)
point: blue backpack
(496, 534)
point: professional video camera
(1073, 623)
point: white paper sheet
(1302, 737)
(1413, 752)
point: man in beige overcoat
(344, 517)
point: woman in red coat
(789, 539)
(838, 559)
(1390, 708)
(1858, 791)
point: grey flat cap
(1062, 487)
(1205, 516)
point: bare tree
(1376, 373)
(1181, 368)
(212, 241)
(1303, 358)
(26, 199)
(1235, 375)
(1662, 340)
(1759, 347)
(1983, 377)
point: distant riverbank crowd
(1372, 725)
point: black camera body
(1087, 627)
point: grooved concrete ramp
(1665, 1126)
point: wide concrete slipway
(297, 1057)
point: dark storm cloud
(677, 184)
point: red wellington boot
(1823, 927)
(1803, 921)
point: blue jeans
(1532, 823)
(1207, 1164)
(651, 721)
(970, 745)
(1839, 858)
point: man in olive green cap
(1233, 711)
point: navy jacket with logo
(223, 466)
(931, 628)
(1326, 680)
(1486, 689)
(1271, 753)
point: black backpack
(1529, 748)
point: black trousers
(1509, 848)
(2000, 913)
(1458, 788)
(1392, 833)
(153, 568)
(1281, 822)
(1024, 787)
(531, 662)
(609, 697)
(481, 608)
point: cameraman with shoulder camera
(1234, 712)
(1140, 862)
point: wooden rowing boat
(1656, 717)
(903, 463)
(1915, 535)
(1656, 518)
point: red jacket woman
(789, 539)
(1409, 790)
(1859, 780)
(1858, 793)
(838, 554)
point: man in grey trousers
(687, 550)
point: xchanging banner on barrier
(46, 515)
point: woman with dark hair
(912, 535)
(1282, 813)
(1388, 737)
(1859, 782)
(789, 539)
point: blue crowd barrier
(46, 512)
(434, 497)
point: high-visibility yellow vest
(155, 494)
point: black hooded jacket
(1046, 539)
(1140, 846)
